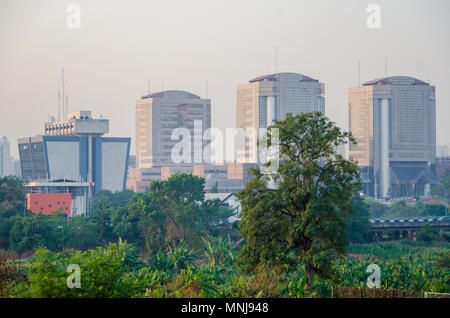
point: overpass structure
(408, 226)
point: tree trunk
(309, 273)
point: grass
(400, 249)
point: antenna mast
(359, 73)
(63, 104)
(59, 104)
(276, 59)
(385, 67)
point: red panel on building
(47, 203)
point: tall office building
(394, 122)
(74, 157)
(157, 115)
(76, 150)
(271, 97)
(6, 162)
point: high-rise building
(6, 162)
(271, 97)
(76, 150)
(394, 122)
(158, 115)
(74, 157)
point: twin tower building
(392, 118)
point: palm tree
(181, 256)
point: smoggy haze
(183, 44)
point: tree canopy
(305, 213)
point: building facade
(394, 122)
(271, 97)
(74, 156)
(158, 115)
(442, 151)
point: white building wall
(114, 156)
(64, 160)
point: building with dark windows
(158, 115)
(394, 122)
(271, 97)
(74, 157)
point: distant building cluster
(8, 165)
(259, 102)
(392, 118)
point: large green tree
(357, 227)
(36, 231)
(12, 204)
(101, 217)
(172, 211)
(304, 214)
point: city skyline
(108, 61)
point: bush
(426, 234)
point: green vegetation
(170, 242)
(401, 209)
(400, 249)
(117, 271)
(304, 215)
(170, 212)
(442, 189)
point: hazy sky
(185, 43)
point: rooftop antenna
(62, 82)
(148, 85)
(359, 73)
(59, 104)
(206, 88)
(67, 105)
(162, 86)
(276, 59)
(385, 67)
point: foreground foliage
(118, 271)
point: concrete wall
(64, 160)
(114, 164)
